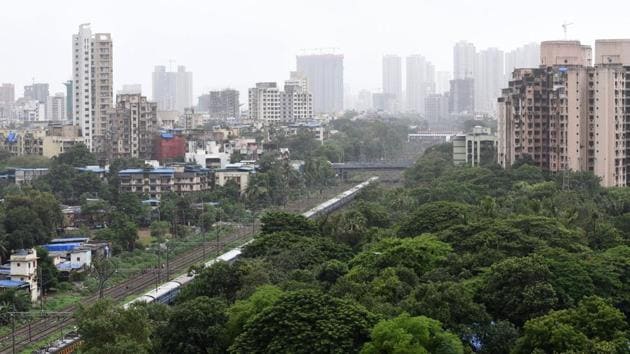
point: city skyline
(223, 40)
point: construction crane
(565, 26)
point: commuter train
(168, 291)
(339, 201)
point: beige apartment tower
(569, 114)
(92, 84)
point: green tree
(306, 322)
(405, 334)
(31, 218)
(77, 156)
(107, 328)
(594, 326)
(221, 280)
(278, 221)
(242, 311)
(433, 217)
(196, 326)
(518, 289)
(47, 269)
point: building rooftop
(13, 284)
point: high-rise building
(133, 127)
(56, 107)
(569, 114)
(436, 107)
(7, 100)
(325, 80)
(364, 100)
(489, 79)
(442, 81)
(296, 100)
(462, 96)
(69, 96)
(464, 57)
(420, 82)
(130, 89)
(268, 105)
(264, 103)
(92, 63)
(172, 90)
(220, 104)
(37, 92)
(392, 78)
(527, 56)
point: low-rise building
(24, 269)
(468, 148)
(237, 172)
(153, 182)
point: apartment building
(570, 114)
(153, 182)
(270, 106)
(221, 104)
(325, 80)
(92, 87)
(132, 127)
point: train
(167, 292)
(339, 201)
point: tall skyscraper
(69, 97)
(464, 57)
(527, 56)
(325, 80)
(92, 68)
(172, 90)
(462, 96)
(420, 82)
(56, 107)
(436, 107)
(37, 92)
(489, 79)
(568, 114)
(392, 78)
(7, 100)
(442, 81)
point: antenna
(565, 26)
(171, 61)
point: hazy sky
(235, 43)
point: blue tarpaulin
(60, 247)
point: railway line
(46, 327)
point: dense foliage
(459, 260)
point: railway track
(45, 327)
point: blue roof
(130, 171)
(12, 283)
(167, 135)
(69, 239)
(60, 247)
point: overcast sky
(235, 43)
